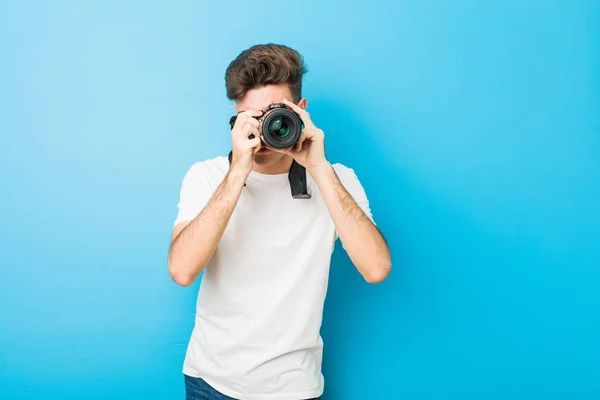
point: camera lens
(279, 127)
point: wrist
(321, 171)
(237, 176)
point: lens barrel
(281, 127)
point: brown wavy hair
(265, 64)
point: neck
(281, 166)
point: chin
(266, 159)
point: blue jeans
(198, 389)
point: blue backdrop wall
(473, 125)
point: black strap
(297, 178)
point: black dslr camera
(281, 126)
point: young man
(266, 255)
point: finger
(293, 106)
(252, 121)
(244, 117)
(245, 132)
(255, 144)
(304, 115)
(253, 130)
(309, 135)
(252, 133)
(249, 117)
(301, 141)
(251, 113)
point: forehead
(261, 98)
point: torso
(261, 298)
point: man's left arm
(361, 239)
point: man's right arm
(194, 243)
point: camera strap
(296, 177)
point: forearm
(195, 245)
(363, 242)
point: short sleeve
(194, 194)
(352, 184)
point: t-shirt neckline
(268, 177)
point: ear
(303, 103)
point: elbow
(180, 276)
(182, 279)
(378, 273)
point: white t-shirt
(260, 303)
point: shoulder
(210, 166)
(345, 173)
(349, 179)
(209, 169)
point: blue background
(473, 125)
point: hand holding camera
(309, 149)
(245, 138)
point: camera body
(281, 127)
